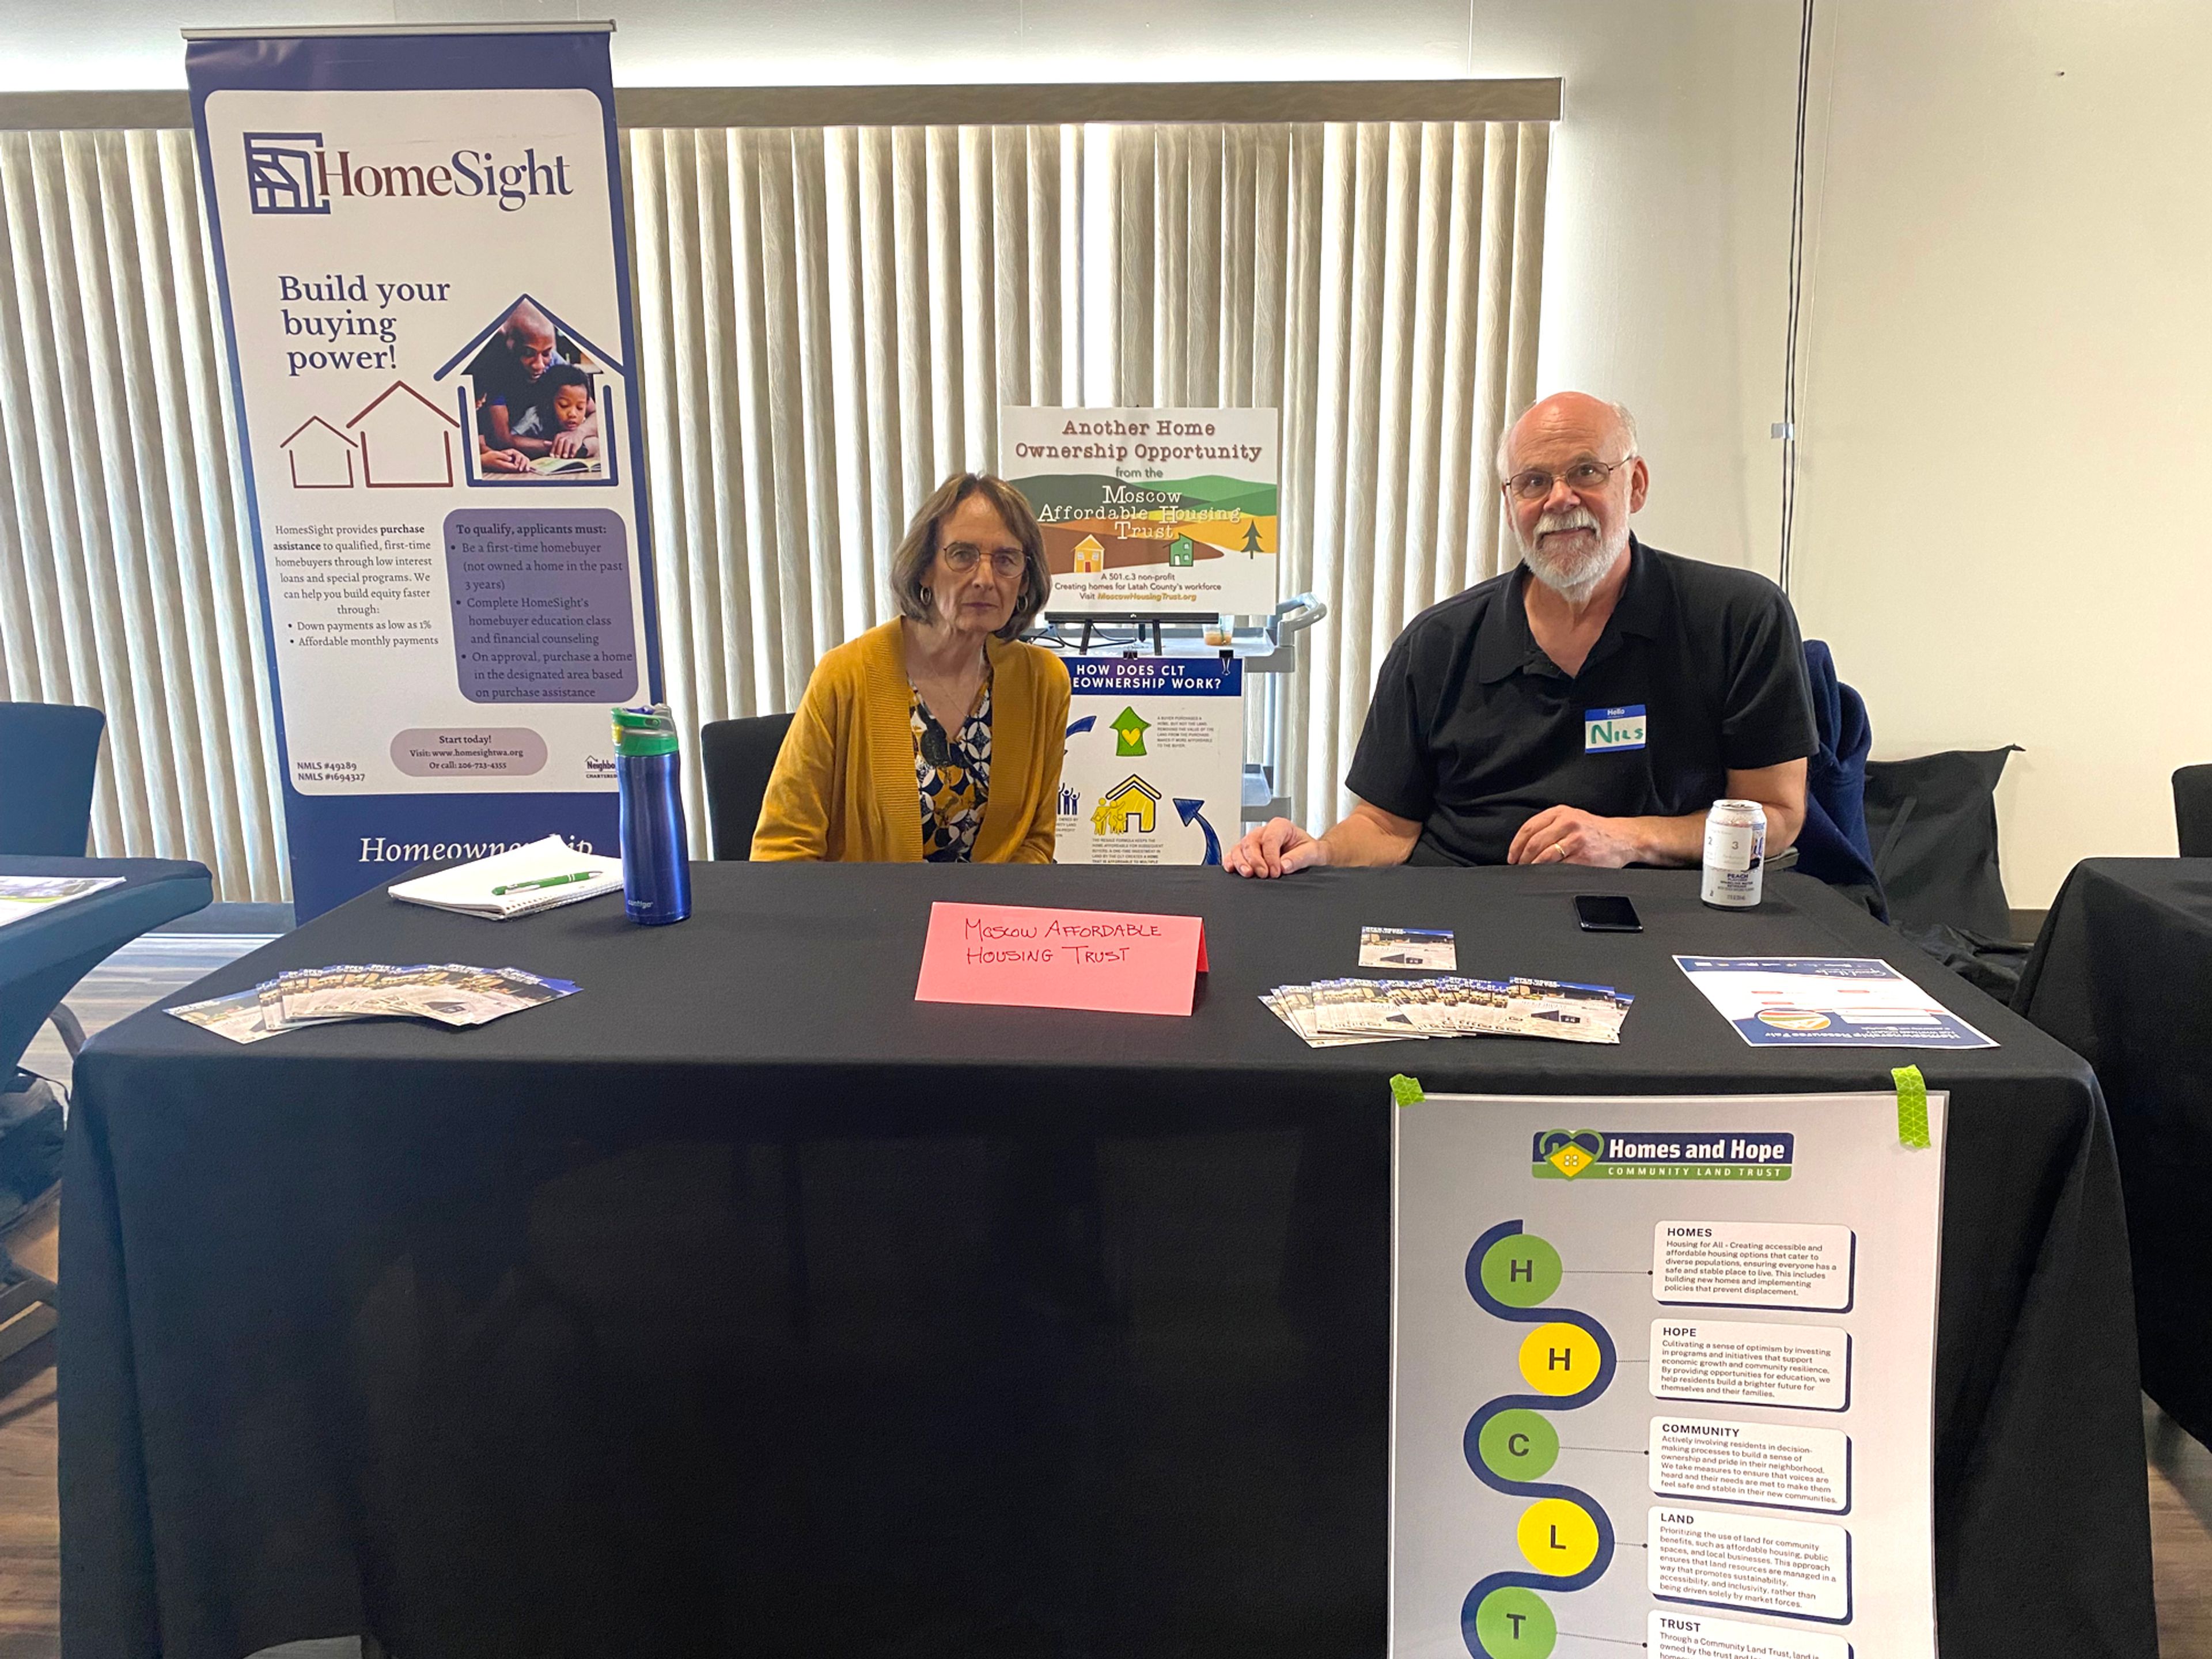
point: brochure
(1332, 1011)
(23, 896)
(1407, 947)
(450, 994)
(1826, 1002)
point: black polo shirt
(1474, 730)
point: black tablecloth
(43, 955)
(2122, 974)
(742, 1304)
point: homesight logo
(292, 172)
(283, 172)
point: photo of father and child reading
(537, 413)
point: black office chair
(2192, 811)
(49, 758)
(737, 755)
(41, 956)
(49, 762)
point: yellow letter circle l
(1559, 1538)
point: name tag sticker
(1613, 728)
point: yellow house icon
(1089, 556)
(1126, 808)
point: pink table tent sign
(1020, 956)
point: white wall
(2004, 268)
(2006, 407)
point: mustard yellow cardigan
(843, 789)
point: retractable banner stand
(419, 243)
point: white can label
(1734, 872)
(1728, 845)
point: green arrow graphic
(1128, 729)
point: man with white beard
(1585, 707)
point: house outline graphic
(1183, 551)
(1089, 556)
(414, 437)
(610, 390)
(313, 441)
(1131, 798)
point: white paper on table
(24, 896)
(467, 888)
(1826, 1002)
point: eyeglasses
(960, 558)
(1584, 478)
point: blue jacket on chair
(1833, 845)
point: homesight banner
(419, 242)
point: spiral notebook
(469, 889)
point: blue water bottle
(656, 862)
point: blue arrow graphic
(1083, 725)
(1192, 815)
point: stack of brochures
(537, 876)
(24, 896)
(1332, 1011)
(450, 994)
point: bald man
(1585, 707)
(508, 372)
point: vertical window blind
(829, 320)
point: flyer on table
(24, 896)
(1826, 1002)
(427, 295)
(1151, 511)
(1664, 1378)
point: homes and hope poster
(420, 247)
(1664, 1378)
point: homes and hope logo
(292, 172)
(1663, 1155)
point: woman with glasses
(938, 736)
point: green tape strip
(1407, 1091)
(1912, 1106)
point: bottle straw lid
(648, 731)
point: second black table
(2123, 974)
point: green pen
(549, 881)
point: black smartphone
(1606, 912)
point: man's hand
(1277, 847)
(566, 444)
(505, 460)
(1567, 835)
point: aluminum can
(1735, 854)
(656, 860)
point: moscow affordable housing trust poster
(419, 241)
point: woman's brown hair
(917, 552)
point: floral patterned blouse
(954, 775)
